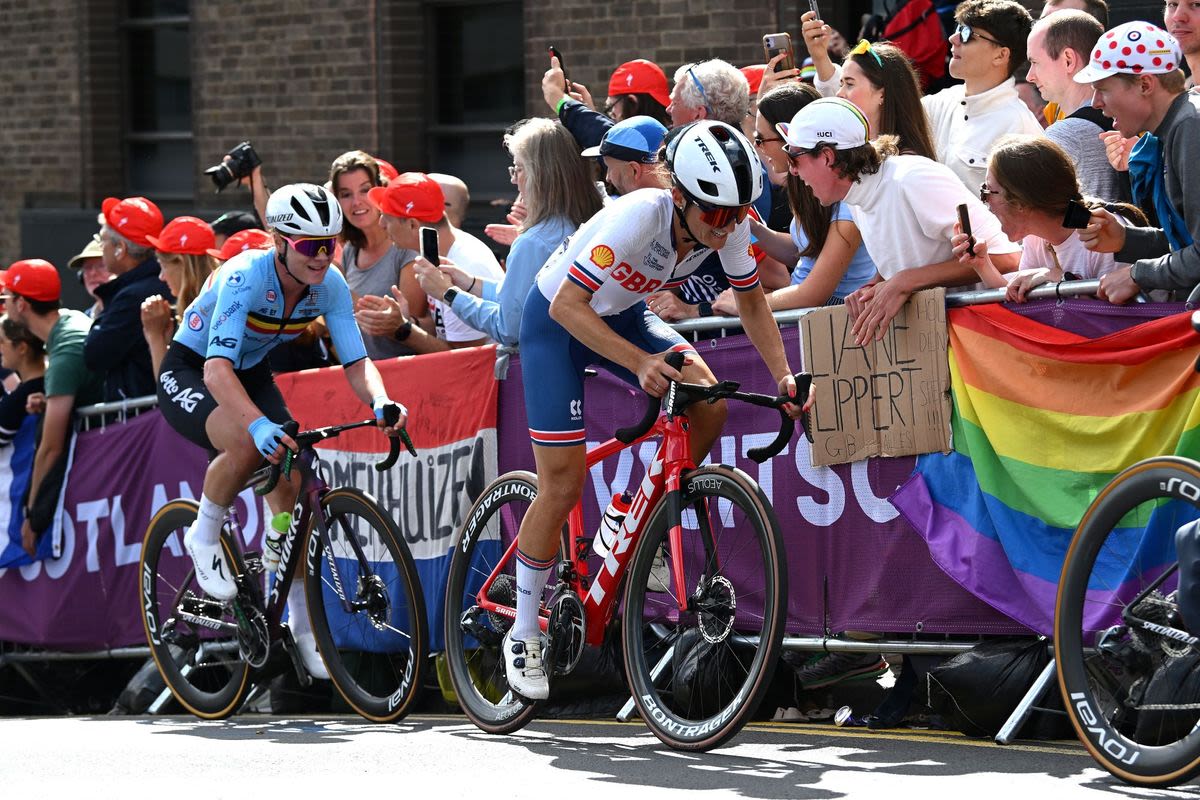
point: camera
(242, 160)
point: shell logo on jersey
(602, 256)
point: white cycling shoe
(310, 657)
(524, 667)
(212, 570)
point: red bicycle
(699, 560)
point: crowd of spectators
(865, 174)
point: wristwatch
(705, 309)
(451, 293)
(403, 331)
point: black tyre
(377, 653)
(201, 665)
(474, 636)
(698, 676)
(1108, 665)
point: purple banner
(853, 562)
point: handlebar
(307, 439)
(682, 395)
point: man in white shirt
(905, 207)
(1059, 47)
(985, 50)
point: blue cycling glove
(267, 436)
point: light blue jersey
(239, 314)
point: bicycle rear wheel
(376, 652)
(473, 635)
(193, 638)
(1118, 572)
(697, 676)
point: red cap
(135, 218)
(754, 74)
(414, 195)
(249, 239)
(184, 236)
(33, 278)
(387, 170)
(640, 77)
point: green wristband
(558, 108)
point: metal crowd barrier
(102, 414)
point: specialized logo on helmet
(183, 240)
(408, 207)
(629, 79)
(602, 256)
(712, 160)
(273, 219)
(195, 321)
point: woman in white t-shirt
(1032, 188)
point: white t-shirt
(906, 214)
(1072, 255)
(627, 251)
(475, 258)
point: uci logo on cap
(825, 134)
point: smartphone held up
(776, 43)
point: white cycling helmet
(715, 165)
(304, 209)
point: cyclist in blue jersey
(587, 307)
(216, 387)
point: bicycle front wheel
(367, 610)
(698, 675)
(1114, 672)
(192, 637)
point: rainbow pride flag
(1043, 418)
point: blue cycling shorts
(553, 361)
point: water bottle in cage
(610, 523)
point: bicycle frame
(308, 507)
(663, 477)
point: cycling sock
(298, 609)
(532, 575)
(207, 530)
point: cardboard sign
(888, 398)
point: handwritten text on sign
(887, 398)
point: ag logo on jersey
(602, 256)
(195, 321)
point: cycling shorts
(553, 361)
(186, 402)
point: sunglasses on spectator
(719, 216)
(700, 88)
(313, 246)
(984, 191)
(759, 140)
(966, 33)
(864, 46)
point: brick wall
(40, 134)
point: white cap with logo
(829, 121)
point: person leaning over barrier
(557, 186)
(32, 290)
(904, 205)
(1144, 91)
(1031, 187)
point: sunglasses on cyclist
(313, 246)
(720, 216)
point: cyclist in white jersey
(216, 388)
(587, 307)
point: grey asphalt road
(446, 757)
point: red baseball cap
(754, 74)
(249, 239)
(413, 195)
(386, 169)
(185, 236)
(640, 77)
(135, 218)
(33, 278)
